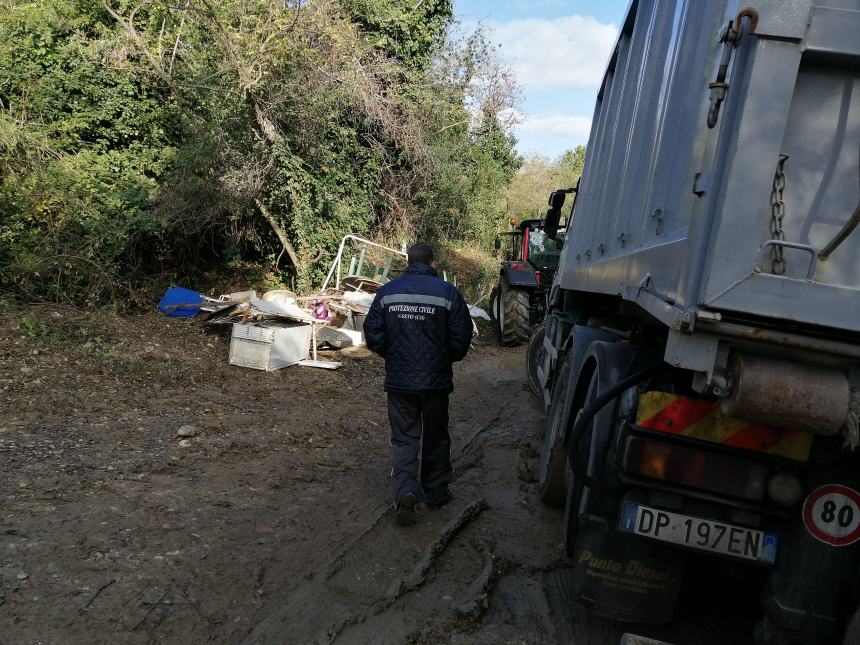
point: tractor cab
(531, 244)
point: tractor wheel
(552, 487)
(534, 358)
(513, 314)
(495, 304)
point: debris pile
(279, 328)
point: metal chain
(777, 213)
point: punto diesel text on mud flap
(698, 533)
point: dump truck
(701, 357)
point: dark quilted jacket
(420, 325)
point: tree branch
(416, 7)
(140, 42)
(276, 227)
(176, 44)
(132, 33)
(267, 127)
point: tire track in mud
(367, 587)
(368, 581)
(487, 568)
(466, 457)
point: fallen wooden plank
(326, 365)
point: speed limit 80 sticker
(831, 514)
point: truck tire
(572, 502)
(574, 486)
(513, 314)
(552, 488)
(534, 357)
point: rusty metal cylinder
(786, 394)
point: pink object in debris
(322, 312)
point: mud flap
(622, 577)
(811, 593)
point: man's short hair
(420, 254)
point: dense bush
(151, 140)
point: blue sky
(558, 50)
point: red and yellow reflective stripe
(703, 420)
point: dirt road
(272, 524)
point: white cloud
(562, 52)
(564, 125)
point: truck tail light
(695, 468)
(785, 489)
(537, 276)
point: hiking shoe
(437, 498)
(404, 510)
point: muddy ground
(273, 523)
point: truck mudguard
(520, 274)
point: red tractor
(519, 301)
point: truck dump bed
(684, 218)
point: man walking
(421, 325)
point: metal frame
(338, 258)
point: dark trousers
(411, 416)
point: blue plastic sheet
(180, 303)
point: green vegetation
(62, 335)
(144, 142)
(528, 193)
